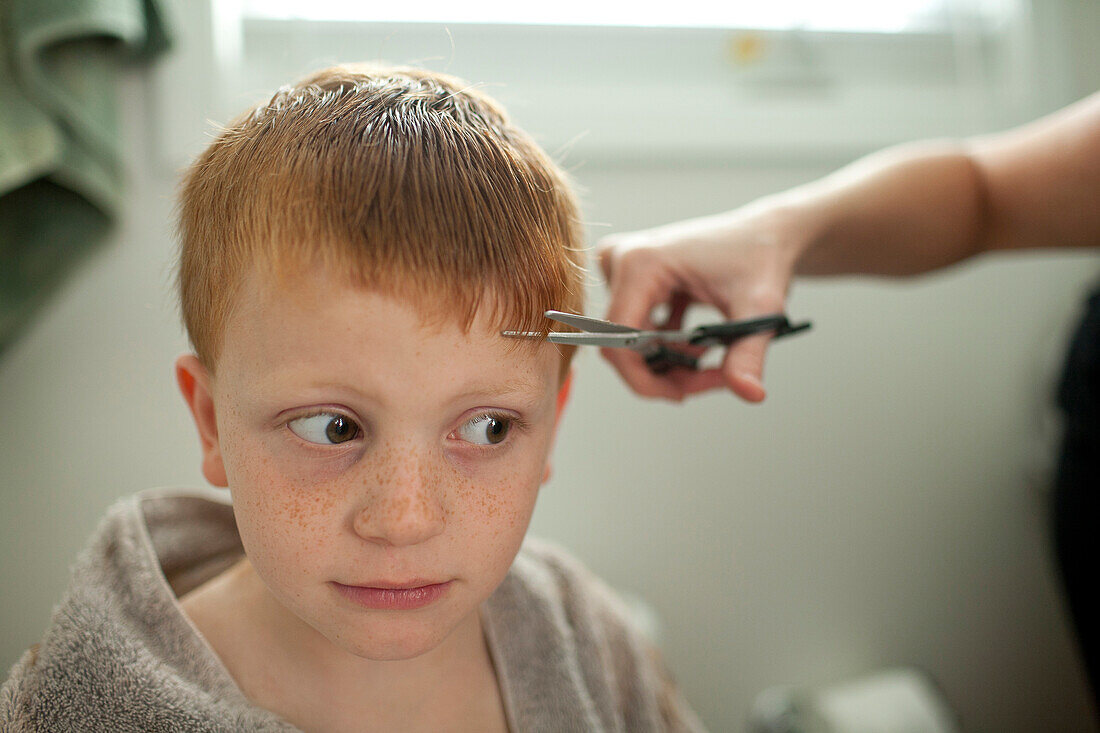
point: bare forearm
(919, 207)
(1043, 181)
(901, 211)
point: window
(872, 16)
(676, 81)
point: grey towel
(120, 655)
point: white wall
(885, 506)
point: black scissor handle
(664, 359)
(727, 333)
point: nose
(402, 503)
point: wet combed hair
(407, 182)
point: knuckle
(611, 251)
(764, 299)
(637, 377)
(607, 244)
(638, 258)
(646, 390)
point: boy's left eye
(326, 428)
(485, 429)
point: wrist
(796, 224)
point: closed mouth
(402, 596)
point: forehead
(313, 327)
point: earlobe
(194, 383)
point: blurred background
(886, 506)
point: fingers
(644, 272)
(638, 283)
(690, 382)
(605, 250)
(741, 372)
(743, 367)
(632, 368)
(677, 306)
(638, 280)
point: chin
(388, 636)
(382, 645)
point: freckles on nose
(405, 498)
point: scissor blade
(616, 340)
(585, 323)
(633, 340)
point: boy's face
(383, 472)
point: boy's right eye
(326, 428)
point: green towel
(60, 169)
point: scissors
(654, 345)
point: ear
(563, 399)
(195, 384)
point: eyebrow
(510, 387)
(515, 386)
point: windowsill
(657, 95)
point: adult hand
(739, 262)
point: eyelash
(515, 423)
(360, 431)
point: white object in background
(892, 701)
(643, 615)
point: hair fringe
(405, 181)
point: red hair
(405, 181)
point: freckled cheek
(491, 516)
(286, 524)
(288, 536)
(496, 505)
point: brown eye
(486, 429)
(340, 429)
(326, 428)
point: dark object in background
(61, 177)
(1076, 501)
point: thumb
(743, 367)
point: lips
(394, 596)
(407, 585)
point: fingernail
(751, 379)
(754, 385)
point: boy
(350, 253)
